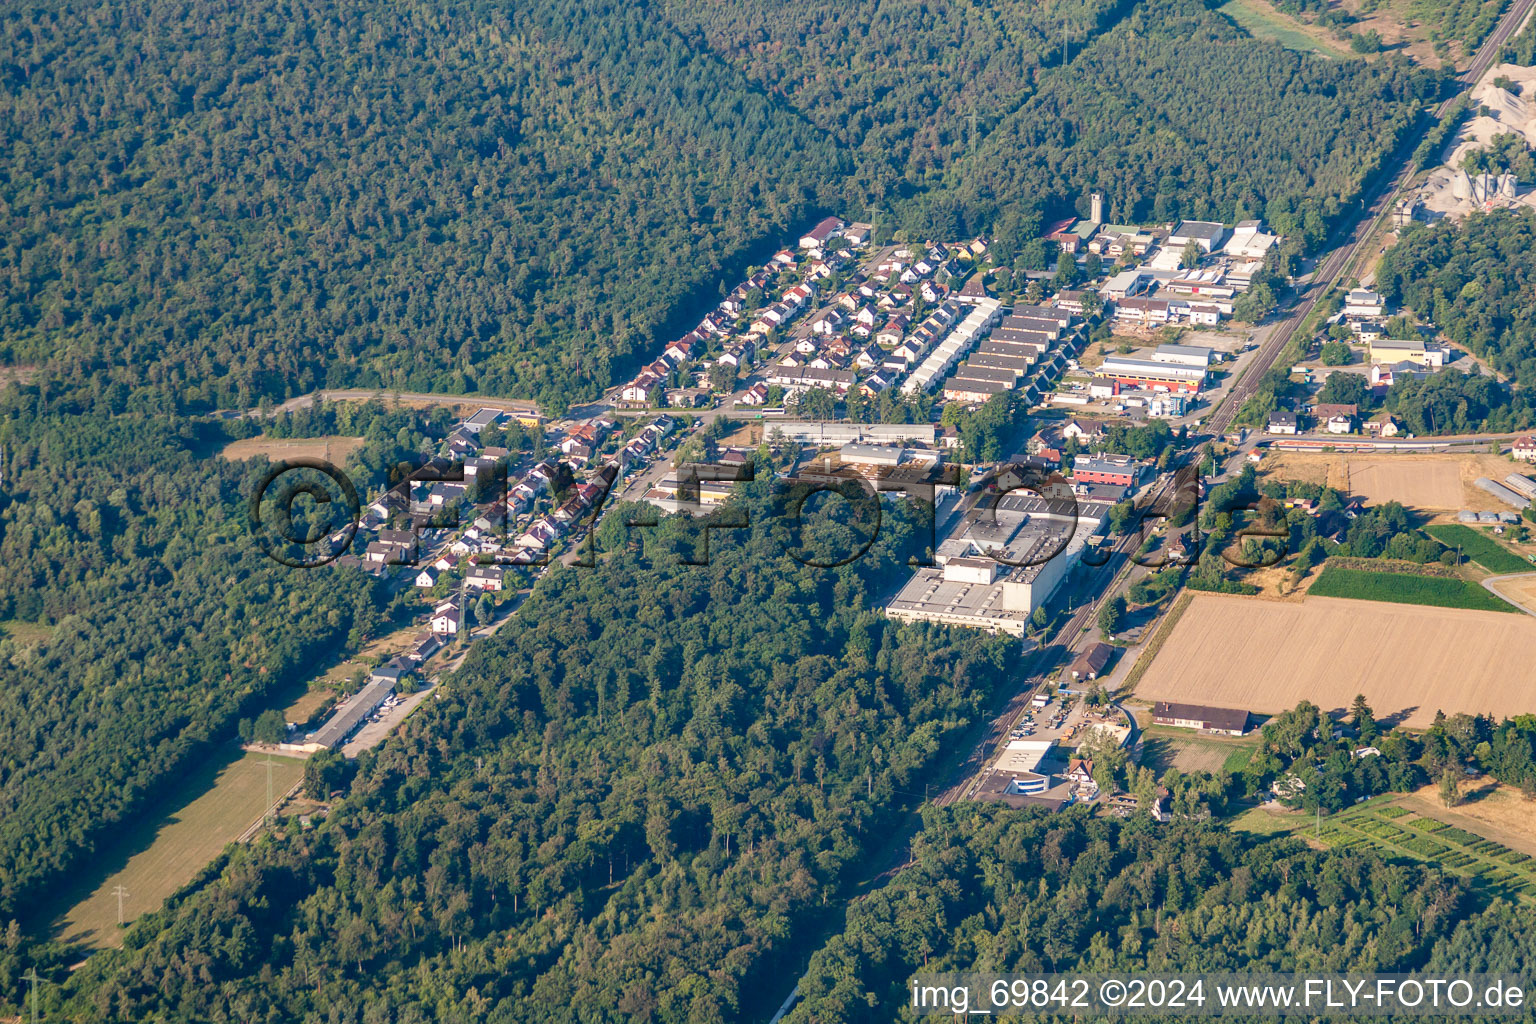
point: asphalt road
(1358, 233)
(1115, 570)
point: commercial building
(1208, 235)
(886, 455)
(1361, 302)
(1229, 721)
(1249, 240)
(1184, 355)
(1031, 541)
(822, 434)
(1127, 283)
(480, 420)
(1147, 373)
(1121, 470)
(818, 235)
(1412, 350)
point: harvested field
(1433, 484)
(165, 854)
(1519, 590)
(1409, 661)
(333, 449)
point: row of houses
(866, 338)
(740, 348)
(1026, 351)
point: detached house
(485, 577)
(446, 618)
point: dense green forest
(909, 86)
(205, 204)
(1476, 281)
(1151, 115)
(631, 804)
(996, 890)
(166, 623)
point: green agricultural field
(1402, 588)
(1394, 830)
(1478, 546)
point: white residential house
(484, 577)
(1362, 302)
(827, 323)
(445, 618)
(1281, 421)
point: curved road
(1491, 585)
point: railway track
(980, 758)
(1359, 233)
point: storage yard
(1408, 660)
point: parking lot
(1059, 720)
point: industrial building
(1362, 302)
(1184, 355)
(886, 455)
(1208, 235)
(1126, 283)
(1146, 373)
(351, 713)
(829, 433)
(1001, 563)
(1413, 350)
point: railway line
(1118, 564)
(1359, 232)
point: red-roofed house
(819, 234)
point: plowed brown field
(1408, 660)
